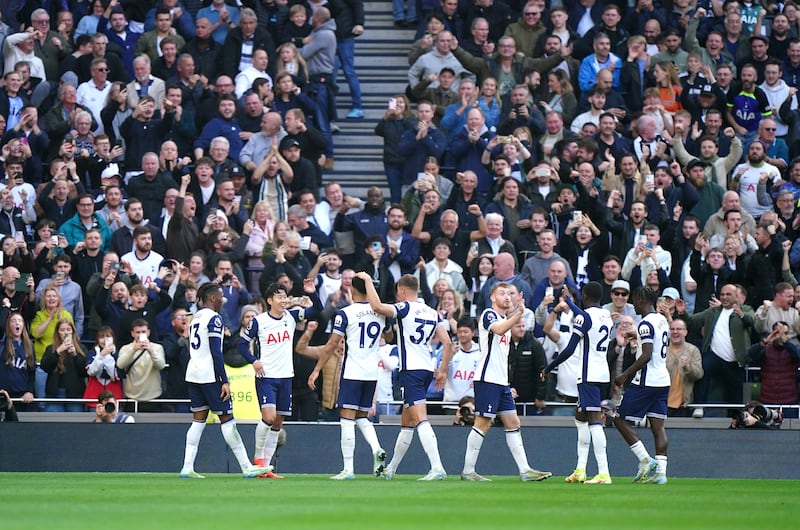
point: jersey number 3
(194, 336)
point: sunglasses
(619, 293)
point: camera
(756, 416)
(467, 415)
(227, 278)
(110, 407)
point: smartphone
(542, 172)
(649, 179)
(376, 246)
(60, 276)
(473, 247)
(421, 175)
(142, 337)
(54, 240)
(577, 216)
(648, 245)
(305, 243)
(504, 139)
(643, 239)
(21, 283)
(109, 341)
(392, 104)
(548, 292)
(114, 266)
(19, 236)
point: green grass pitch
(154, 501)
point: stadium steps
(382, 66)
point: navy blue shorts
(276, 393)
(205, 396)
(589, 397)
(356, 395)
(639, 402)
(492, 399)
(415, 385)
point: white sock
(584, 438)
(262, 429)
(515, 445)
(641, 452)
(661, 460)
(429, 443)
(234, 441)
(348, 442)
(272, 443)
(368, 432)
(192, 442)
(474, 443)
(400, 447)
(599, 443)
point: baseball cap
(671, 292)
(110, 172)
(621, 284)
(707, 90)
(288, 142)
(695, 162)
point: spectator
(601, 59)
(142, 361)
(726, 341)
(242, 40)
(101, 367)
(93, 93)
(150, 40)
(17, 362)
(395, 123)
(122, 238)
(65, 364)
(320, 54)
(70, 293)
(526, 359)
(256, 70)
(150, 186)
(176, 354)
(435, 60)
(85, 219)
(778, 358)
(286, 259)
(685, 366)
(779, 309)
(225, 125)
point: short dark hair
(140, 231)
(273, 289)
(206, 291)
(467, 322)
(359, 285)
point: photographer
(7, 412)
(465, 415)
(107, 412)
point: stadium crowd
(151, 147)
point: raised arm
(373, 298)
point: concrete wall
(314, 448)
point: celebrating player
(273, 332)
(417, 324)
(492, 388)
(590, 336)
(648, 391)
(208, 384)
(361, 328)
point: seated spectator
(142, 361)
(64, 361)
